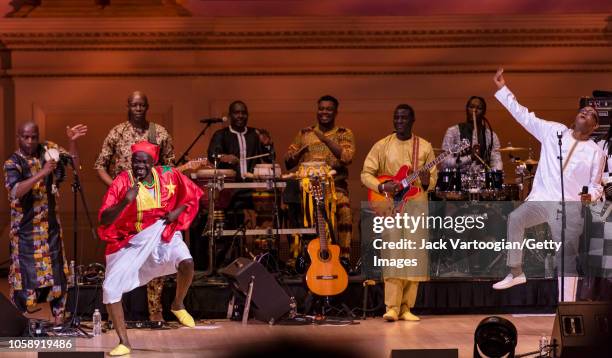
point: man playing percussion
(488, 142)
(386, 157)
(239, 148)
(141, 217)
(236, 143)
(116, 157)
(582, 168)
(334, 145)
(38, 264)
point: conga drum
(204, 177)
(266, 171)
(320, 173)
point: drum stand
(214, 226)
(275, 212)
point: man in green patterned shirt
(334, 145)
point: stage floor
(374, 338)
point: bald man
(38, 269)
(116, 157)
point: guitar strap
(415, 152)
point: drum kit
(488, 185)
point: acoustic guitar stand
(324, 304)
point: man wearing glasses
(582, 168)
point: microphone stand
(563, 221)
(181, 159)
(75, 320)
(275, 212)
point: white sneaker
(510, 281)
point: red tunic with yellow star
(171, 190)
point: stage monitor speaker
(583, 329)
(425, 353)
(12, 323)
(269, 301)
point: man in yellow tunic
(386, 157)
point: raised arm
(539, 128)
(74, 133)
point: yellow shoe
(120, 350)
(184, 317)
(391, 315)
(408, 316)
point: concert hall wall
(68, 71)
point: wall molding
(207, 34)
(178, 73)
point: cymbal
(512, 149)
(531, 161)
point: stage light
(495, 337)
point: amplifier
(583, 329)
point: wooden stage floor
(373, 338)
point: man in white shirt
(583, 163)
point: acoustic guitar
(325, 276)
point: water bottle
(544, 346)
(97, 323)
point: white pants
(143, 259)
(532, 213)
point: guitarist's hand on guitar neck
(424, 178)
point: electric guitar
(325, 276)
(405, 177)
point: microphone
(213, 120)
